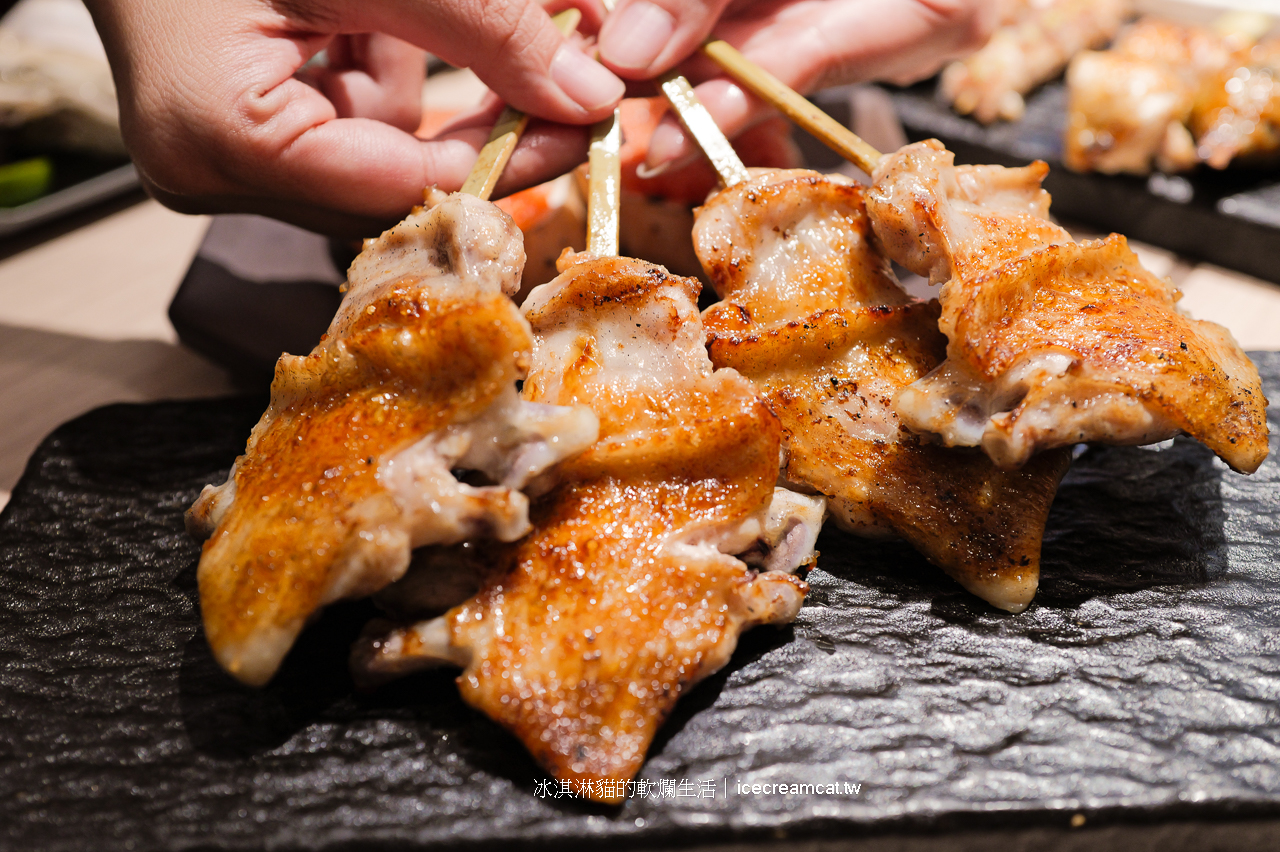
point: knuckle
(177, 137)
(518, 25)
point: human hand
(218, 119)
(808, 44)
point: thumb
(643, 38)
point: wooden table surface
(83, 321)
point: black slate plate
(1231, 218)
(1140, 691)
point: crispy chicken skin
(813, 315)
(626, 592)
(1052, 342)
(350, 466)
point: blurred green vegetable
(25, 180)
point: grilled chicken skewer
(666, 540)
(813, 315)
(1237, 111)
(352, 464)
(1050, 342)
(1129, 106)
(1174, 96)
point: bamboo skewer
(506, 133)
(495, 153)
(604, 187)
(604, 182)
(703, 128)
(832, 133)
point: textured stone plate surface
(1142, 686)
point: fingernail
(645, 173)
(587, 82)
(636, 37)
(667, 145)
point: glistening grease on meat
(628, 591)
(352, 464)
(812, 314)
(1052, 342)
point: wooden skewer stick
(703, 128)
(495, 153)
(832, 133)
(506, 133)
(604, 187)
(604, 182)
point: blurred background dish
(1170, 135)
(60, 144)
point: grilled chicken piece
(1237, 111)
(1124, 115)
(626, 592)
(812, 314)
(1163, 95)
(1026, 51)
(1052, 342)
(351, 465)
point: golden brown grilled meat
(626, 593)
(1052, 342)
(1174, 96)
(1032, 46)
(812, 314)
(350, 466)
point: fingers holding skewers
(644, 38)
(623, 498)
(220, 116)
(808, 45)
(224, 109)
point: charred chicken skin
(812, 314)
(628, 591)
(1052, 342)
(351, 465)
